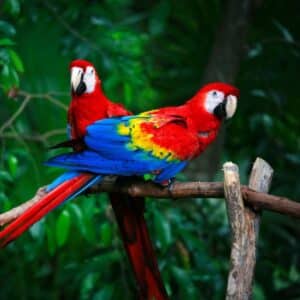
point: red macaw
(88, 105)
(159, 143)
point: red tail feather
(130, 216)
(50, 201)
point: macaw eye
(215, 94)
(89, 71)
(90, 79)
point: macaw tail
(64, 188)
(129, 213)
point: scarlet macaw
(88, 105)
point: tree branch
(21, 108)
(12, 214)
(41, 138)
(27, 97)
(138, 188)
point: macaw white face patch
(213, 98)
(89, 78)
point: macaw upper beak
(77, 84)
(227, 108)
(230, 106)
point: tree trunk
(223, 65)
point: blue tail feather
(61, 179)
(69, 175)
(91, 182)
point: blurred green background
(149, 54)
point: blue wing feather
(93, 162)
(109, 154)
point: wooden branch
(236, 216)
(260, 180)
(12, 214)
(139, 188)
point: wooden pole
(236, 218)
(260, 181)
(244, 224)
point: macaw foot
(169, 184)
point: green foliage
(10, 62)
(148, 55)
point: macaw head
(84, 78)
(218, 100)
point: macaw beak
(227, 108)
(77, 84)
(230, 106)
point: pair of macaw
(108, 140)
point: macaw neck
(204, 123)
(203, 120)
(85, 110)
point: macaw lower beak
(77, 84)
(227, 108)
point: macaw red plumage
(88, 105)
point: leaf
(106, 234)
(12, 164)
(51, 240)
(76, 211)
(7, 28)
(255, 51)
(259, 93)
(3, 197)
(63, 227)
(13, 6)
(163, 229)
(159, 17)
(184, 278)
(88, 284)
(16, 60)
(258, 292)
(293, 158)
(105, 293)
(5, 176)
(284, 31)
(37, 230)
(6, 42)
(5, 71)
